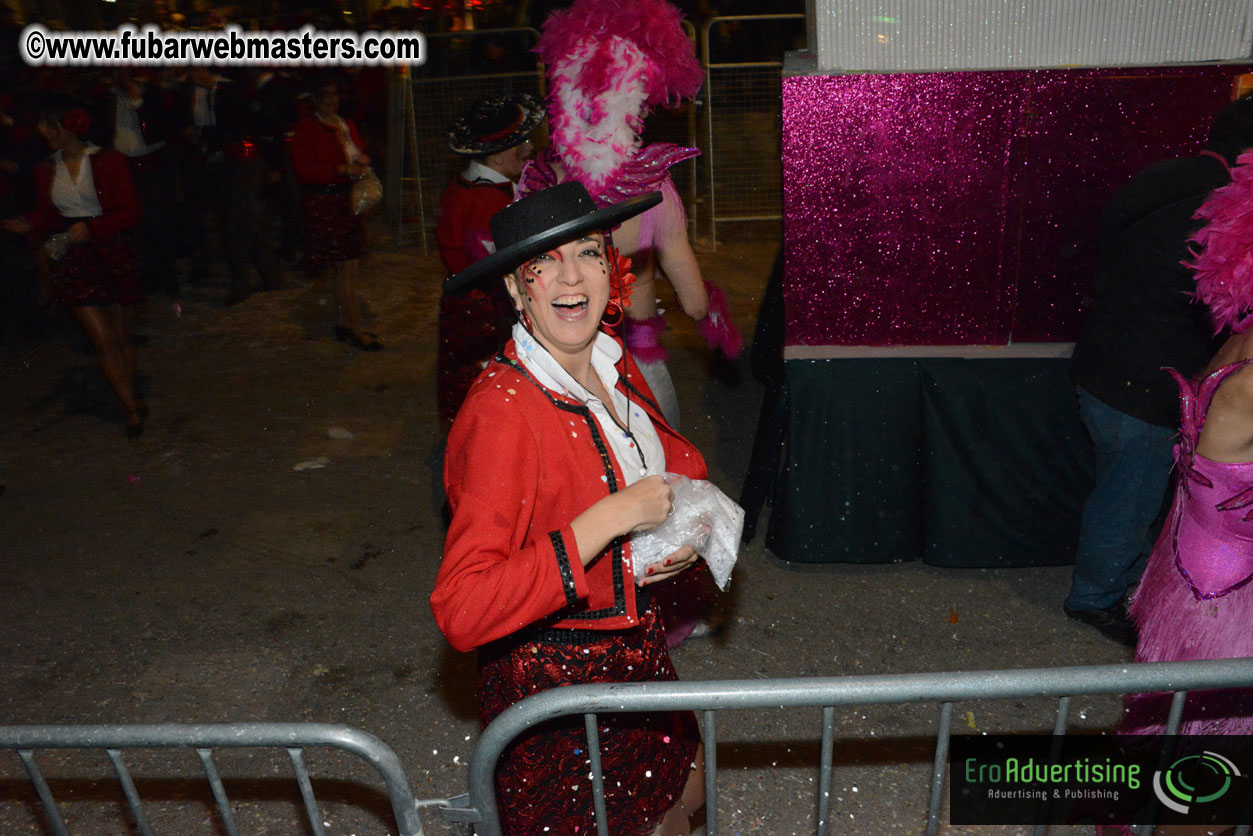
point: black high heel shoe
(364, 341)
(135, 421)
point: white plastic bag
(704, 518)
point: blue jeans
(1133, 461)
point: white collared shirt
(351, 151)
(128, 134)
(477, 171)
(639, 452)
(75, 198)
(202, 115)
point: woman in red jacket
(327, 158)
(86, 205)
(553, 461)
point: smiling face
(563, 294)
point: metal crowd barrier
(735, 118)
(293, 737)
(462, 68)
(479, 807)
(743, 104)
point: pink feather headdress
(1223, 266)
(609, 63)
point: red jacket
(317, 154)
(110, 171)
(464, 212)
(522, 462)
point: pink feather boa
(643, 337)
(717, 328)
(1223, 265)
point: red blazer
(114, 188)
(522, 462)
(464, 212)
(316, 151)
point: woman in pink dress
(1195, 601)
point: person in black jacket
(136, 118)
(1143, 318)
(224, 175)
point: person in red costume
(554, 461)
(86, 205)
(327, 158)
(474, 324)
(609, 64)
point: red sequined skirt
(332, 232)
(98, 273)
(542, 781)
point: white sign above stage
(920, 35)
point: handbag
(367, 191)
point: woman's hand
(639, 507)
(671, 565)
(645, 505)
(78, 233)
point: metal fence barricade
(743, 57)
(706, 698)
(735, 118)
(294, 738)
(462, 67)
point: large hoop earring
(619, 292)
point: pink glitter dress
(1194, 601)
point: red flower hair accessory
(621, 285)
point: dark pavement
(265, 552)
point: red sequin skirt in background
(472, 330)
(542, 781)
(98, 273)
(332, 232)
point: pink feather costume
(609, 64)
(1195, 601)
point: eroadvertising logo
(1194, 780)
(1103, 779)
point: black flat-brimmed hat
(496, 124)
(541, 221)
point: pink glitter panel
(961, 208)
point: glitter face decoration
(562, 294)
